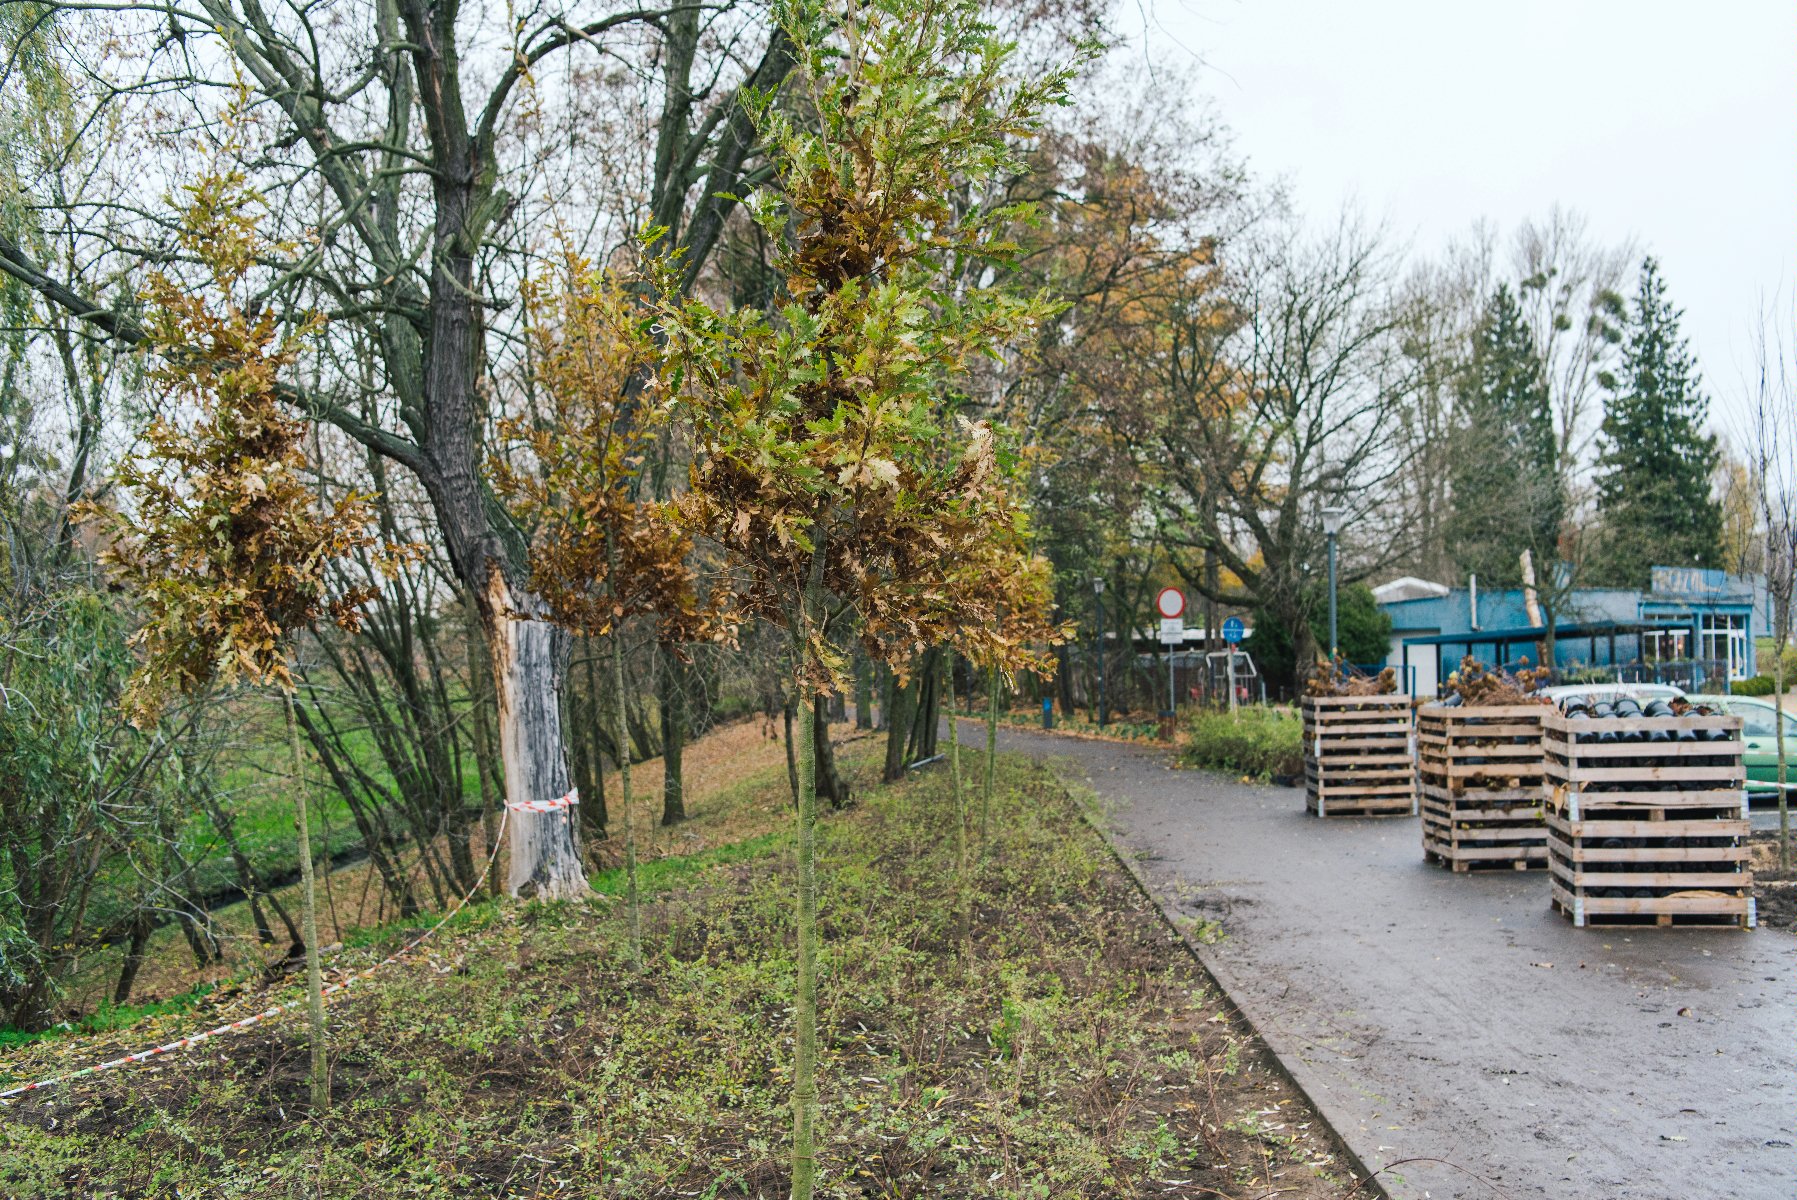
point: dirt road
(1454, 1025)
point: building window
(1722, 640)
(1665, 645)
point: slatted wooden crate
(1479, 773)
(1359, 756)
(1647, 833)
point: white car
(1611, 691)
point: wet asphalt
(1456, 1031)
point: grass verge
(1072, 1049)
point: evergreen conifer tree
(1506, 487)
(1654, 473)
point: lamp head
(1332, 519)
(1097, 585)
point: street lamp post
(1332, 525)
(1098, 600)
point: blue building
(1692, 627)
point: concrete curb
(1286, 1058)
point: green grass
(1073, 1050)
(109, 1018)
(1124, 727)
(664, 874)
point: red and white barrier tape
(543, 806)
(329, 991)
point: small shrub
(1262, 742)
(1758, 685)
(1767, 661)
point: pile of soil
(1774, 889)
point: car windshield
(1756, 722)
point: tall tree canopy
(1653, 488)
(1507, 495)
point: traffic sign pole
(1233, 629)
(1171, 604)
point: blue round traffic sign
(1234, 631)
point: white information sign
(1173, 631)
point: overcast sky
(1674, 125)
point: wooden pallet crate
(1359, 756)
(1479, 772)
(1647, 833)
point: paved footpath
(1454, 1018)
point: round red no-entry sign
(1171, 602)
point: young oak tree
(1002, 596)
(819, 424)
(600, 554)
(224, 543)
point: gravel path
(1451, 1026)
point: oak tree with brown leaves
(828, 460)
(222, 541)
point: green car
(1761, 735)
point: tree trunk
(993, 682)
(200, 941)
(1305, 650)
(321, 1085)
(864, 692)
(1064, 679)
(804, 1071)
(673, 739)
(545, 856)
(926, 721)
(792, 760)
(645, 742)
(1550, 650)
(830, 784)
(577, 707)
(963, 877)
(480, 680)
(897, 715)
(1784, 777)
(883, 689)
(141, 926)
(594, 817)
(633, 913)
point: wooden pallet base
(1351, 804)
(1660, 912)
(1462, 859)
(1465, 832)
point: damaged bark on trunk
(544, 852)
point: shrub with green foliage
(1767, 660)
(1262, 742)
(1758, 685)
(1363, 631)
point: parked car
(1759, 733)
(1610, 691)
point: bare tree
(1283, 395)
(1774, 465)
(1570, 290)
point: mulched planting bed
(1070, 1048)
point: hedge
(1262, 742)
